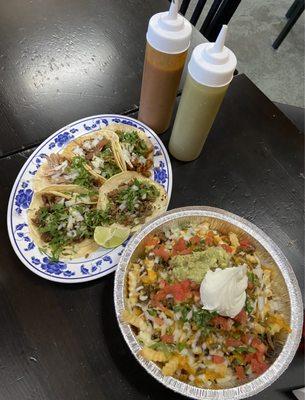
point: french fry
(153, 355)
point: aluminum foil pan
(285, 285)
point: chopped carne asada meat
(136, 152)
(143, 169)
(97, 149)
(46, 237)
(132, 202)
(36, 221)
(55, 164)
(50, 199)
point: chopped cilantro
(160, 346)
(244, 349)
(253, 278)
(152, 312)
(200, 317)
(97, 217)
(84, 178)
(135, 192)
(184, 309)
(110, 166)
(181, 346)
(251, 349)
(139, 146)
(249, 307)
(52, 224)
(203, 317)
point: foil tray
(285, 287)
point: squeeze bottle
(210, 72)
(168, 39)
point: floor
(253, 28)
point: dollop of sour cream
(224, 290)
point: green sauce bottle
(210, 72)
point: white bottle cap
(168, 31)
(213, 64)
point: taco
(129, 199)
(62, 220)
(137, 149)
(58, 170)
(100, 152)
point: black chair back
(220, 13)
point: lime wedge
(110, 236)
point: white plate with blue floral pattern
(103, 261)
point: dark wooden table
(63, 60)
(61, 341)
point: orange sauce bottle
(168, 39)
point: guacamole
(194, 266)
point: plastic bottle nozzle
(220, 41)
(171, 20)
(169, 31)
(213, 64)
(173, 9)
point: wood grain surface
(65, 60)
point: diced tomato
(246, 245)
(180, 247)
(158, 321)
(231, 342)
(151, 241)
(217, 359)
(167, 338)
(180, 291)
(186, 251)
(209, 239)
(246, 339)
(162, 252)
(227, 248)
(258, 367)
(195, 240)
(259, 345)
(163, 283)
(186, 284)
(240, 372)
(241, 317)
(248, 357)
(159, 296)
(258, 356)
(222, 323)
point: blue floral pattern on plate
(101, 262)
(23, 200)
(160, 173)
(63, 138)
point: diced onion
(260, 303)
(78, 151)
(189, 315)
